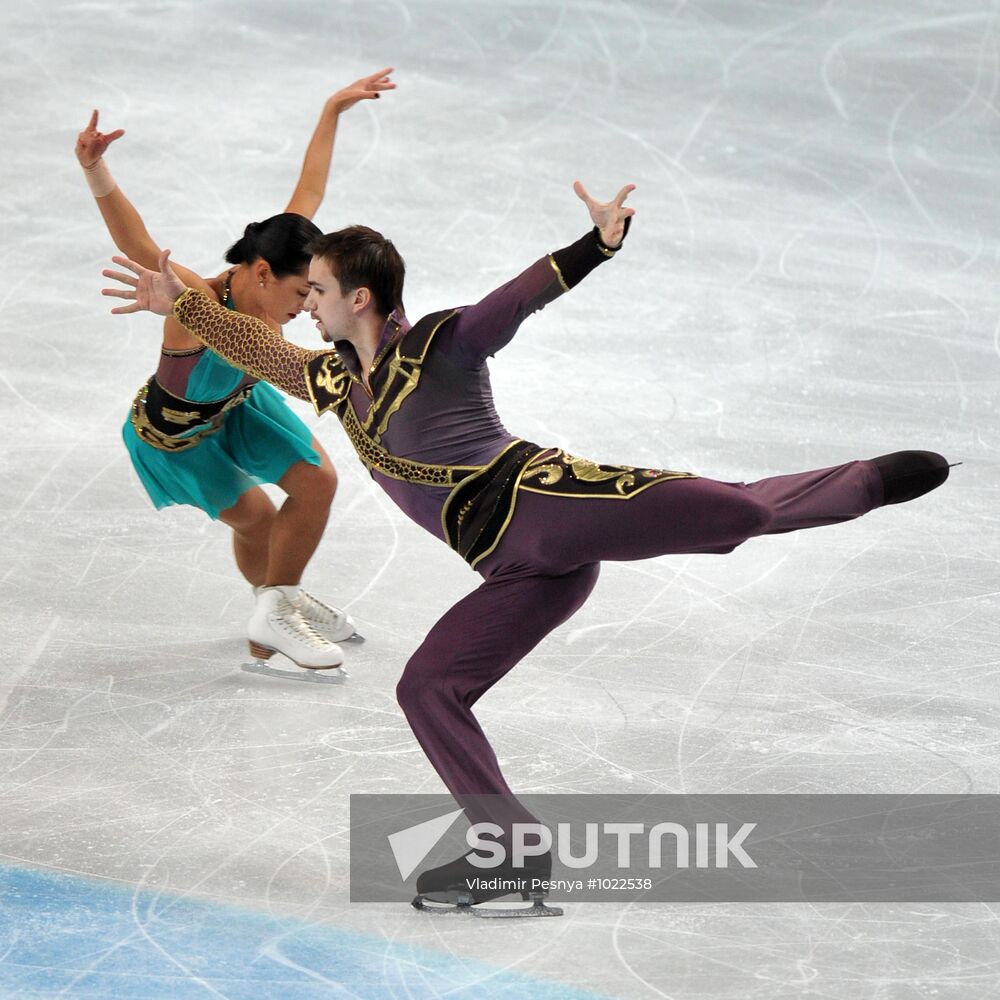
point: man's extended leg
(554, 533)
(820, 497)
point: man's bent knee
(416, 690)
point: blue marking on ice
(67, 936)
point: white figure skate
(277, 626)
(331, 623)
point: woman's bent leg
(301, 520)
(251, 518)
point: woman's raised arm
(311, 188)
(120, 216)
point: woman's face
(282, 298)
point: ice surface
(811, 278)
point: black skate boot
(459, 887)
(907, 475)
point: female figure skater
(203, 433)
(534, 522)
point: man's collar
(396, 327)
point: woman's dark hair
(280, 240)
(360, 257)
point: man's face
(327, 304)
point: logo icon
(412, 845)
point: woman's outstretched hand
(151, 291)
(91, 144)
(608, 216)
(366, 89)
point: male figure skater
(534, 522)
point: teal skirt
(258, 442)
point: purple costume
(555, 518)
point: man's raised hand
(608, 216)
(151, 291)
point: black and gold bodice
(418, 395)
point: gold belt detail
(374, 456)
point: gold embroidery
(332, 381)
(559, 275)
(169, 442)
(374, 456)
(188, 438)
(328, 384)
(410, 380)
(377, 360)
(190, 352)
(410, 376)
(591, 472)
(623, 478)
(547, 475)
(179, 416)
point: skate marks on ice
(811, 277)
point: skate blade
(426, 904)
(357, 638)
(332, 675)
(538, 908)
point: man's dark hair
(359, 257)
(280, 240)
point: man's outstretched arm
(482, 329)
(244, 341)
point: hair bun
(280, 240)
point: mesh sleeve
(246, 342)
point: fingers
(120, 293)
(92, 124)
(117, 134)
(125, 279)
(619, 200)
(623, 194)
(131, 265)
(164, 263)
(375, 82)
(374, 85)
